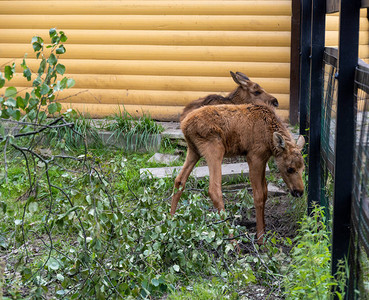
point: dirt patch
(279, 217)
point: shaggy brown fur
(246, 92)
(255, 131)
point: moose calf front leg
(260, 193)
(214, 157)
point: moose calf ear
(242, 75)
(278, 141)
(300, 142)
(235, 79)
(240, 80)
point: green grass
(137, 133)
(309, 272)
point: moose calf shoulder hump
(214, 132)
(246, 92)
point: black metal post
(295, 62)
(305, 44)
(345, 128)
(316, 96)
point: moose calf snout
(274, 102)
(297, 193)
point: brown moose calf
(246, 92)
(214, 132)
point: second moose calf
(246, 92)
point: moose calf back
(241, 128)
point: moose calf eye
(257, 93)
(291, 170)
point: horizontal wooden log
(160, 113)
(332, 23)
(364, 51)
(147, 8)
(136, 97)
(155, 37)
(136, 52)
(167, 68)
(331, 38)
(169, 83)
(159, 22)
(148, 22)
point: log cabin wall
(157, 56)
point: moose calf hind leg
(180, 181)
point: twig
(6, 163)
(76, 94)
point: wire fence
(328, 125)
(359, 244)
(359, 252)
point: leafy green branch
(34, 106)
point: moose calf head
(252, 91)
(290, 162)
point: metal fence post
(295, 61)
(316, 95)
(345, 129)
(305, 44)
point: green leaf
(60, 50)
(32, 114)
(10, 92)
(74, 208)
(26, 273)
(63, 37)
(9, 72)
(44, 89)
(63, 84)
(21, 103)
(52, 60)
(58, 106)
(33, 102)
(42, 67)
(36, 46)
(34, 39)
(33, 207)
(53, 264)
(60, 277)
(60, 69)
(23, 64)
(70, 83)
(16, 114)
(176, 268)
(52, 108)
(61, 292)
(37, 81)
(37, 43)
(2, 133)
(52, 32)
(42, 116)
(155, 282)
(27, 73)
(2, 81)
